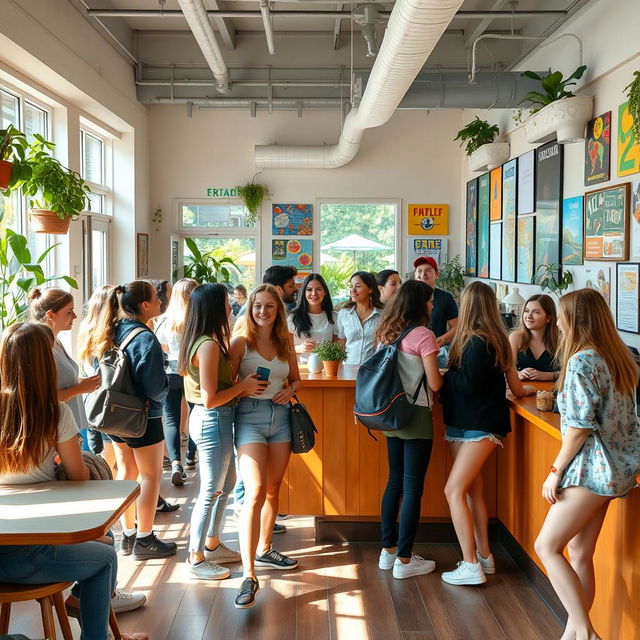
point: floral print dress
(609, 459)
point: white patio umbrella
(353, 242)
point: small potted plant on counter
(13, 150)
(482, 150)
(332, 354)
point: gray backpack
(115, 408)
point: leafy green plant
(253, 195)
(633, 95)
(477, 133)
(203, 267)
(330, 351)
(554, 86)
(13, 149)
(551, 277)
(18, 274)
(451, 277)
(337, 276)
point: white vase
(314, 364)
(565, 119)
(489, 156)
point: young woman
(129, 307)
(409, 448)
(389, 282)
(476, 415)
(313, 319)
(600, 454)
(239, 298)
(169, 329)
(535, 341)
(34, 426)
(263, 430)
(359, 318)
(54, 307)
(204, 361)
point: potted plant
(253, 194)
(482, 150)
(13, 149)
(633, 95)
(203, 267)
(556, 111)
(451, 277)
(553, 278)
(332, 354)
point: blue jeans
(212, 431)
(92, 564)
(172, 415)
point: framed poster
(294, 253)
(606, 223)
(598, 278)
(628, 146)
(175, 249)
(496, 194)
(483, 226)
(142, 254)
(627, 300)
(471, 261)
(572, 230)
(634, 219)
(597, 150)
(292, 219)
(548, 198)
(495, 251)
(525, 242)
(526, 183)
(432, 219)
(426, 247)
(509, 182)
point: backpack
(115, 408)
(381, 401)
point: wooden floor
(338, 593)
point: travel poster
(628, 146)
(472, 228)
(634, 219)
(525, 251)
(292, 219)
(509, 181)
(483, 226)
(627, 300)
(495, 242)
(572, 230)
(496, 194)
(526, 183)
(295, 253)
(606, 223)
(548, 199)
(597, 150)
(428, 248)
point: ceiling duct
(414, 28)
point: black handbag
(303, 431)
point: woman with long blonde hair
(600, 454)
(263, 430)
(476, 415)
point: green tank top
(192, 391)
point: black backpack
(381, 401)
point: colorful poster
(472, 228)
(428, 219)
(483, 226)
(598, 278)
(526, 183)
(496, 194)
(292, 219)
(572, 230)
(426, 247)
(525, 244)
(597, 150)
(634, 219)
(495, 249)
(548, 198)
(509, 181)
(606, 223)
(627, 299)
(296, 253)
(628, 146)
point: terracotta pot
(6, 169)
(331, 367)
(43, 221)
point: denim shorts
(453, 434)
(262, 421)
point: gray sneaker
(177, 474)
(151, 547)
(126, 544)
(275, 560)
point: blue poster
(572, 230)
(294, 253)
(292, 219)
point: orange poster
(496, 195)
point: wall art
(634, 219)
(526, 183)
(606, 223)
(142, 254)
(292, 219)
(509, 183)
(471, 261)
(295, 253)
(627, 297)
(496, 194)
(483, 226)
(628, 146)
(572, 230)
(525, 243)
(548, 198)
(495, 251)
(597, 150)
(426, 247)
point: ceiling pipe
(285, 84)
(198, 21)
(268, 27)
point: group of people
(235, 363)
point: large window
(94, 170)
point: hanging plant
(253, 194)
(477, 133)
(633, 94)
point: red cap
(425, 260)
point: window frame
(105, 188)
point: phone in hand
(263, 373)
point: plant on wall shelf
(477, 133)
(451, 277)
(553, 278)
(203, 267)
(253, 194)
(633, 95)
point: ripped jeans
(212, 431)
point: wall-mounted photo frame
(142, 254)
(606, 223)
(627, 297)
(471, 260)
(483, 226)
(526, 183)
(525, 254)
(495, 251)
(597, 150)
(634, 220)
(509, 187)
(549, 167)
(495, 206)
(572, 230)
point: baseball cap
(425, 260)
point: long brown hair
(29, 409)
(588, 324)
(280, 336)
(89, 323)
(479, 316)
(43, 300)
(176, 313)
(550, 337)
(408, 307)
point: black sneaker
(166, 463)
(279, 528)
(165, 507)
(247, 595)
(275, 560)
(190, 463)
(177, 474)
(126, 544)
(151, 547)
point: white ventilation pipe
(414, 28)
(268, 27)
(197, 18)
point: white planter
(566, 119)
(489, 156)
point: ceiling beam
(225, 27)
(336, 27)
(481, 27)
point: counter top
(526, 407)
(346, 377)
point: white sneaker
(386, 560)
(207, 570)
(415, 567)
(222, 554)
(488, 564)
(127, 600)
(465, 573)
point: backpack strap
(132, 334)
(405, 333)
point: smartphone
(263, 373)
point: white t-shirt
(45, 472)
(278, 372)
(172, 340)
(321, 329)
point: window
(93, 170)
(213, 216)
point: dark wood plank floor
(338, 593)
